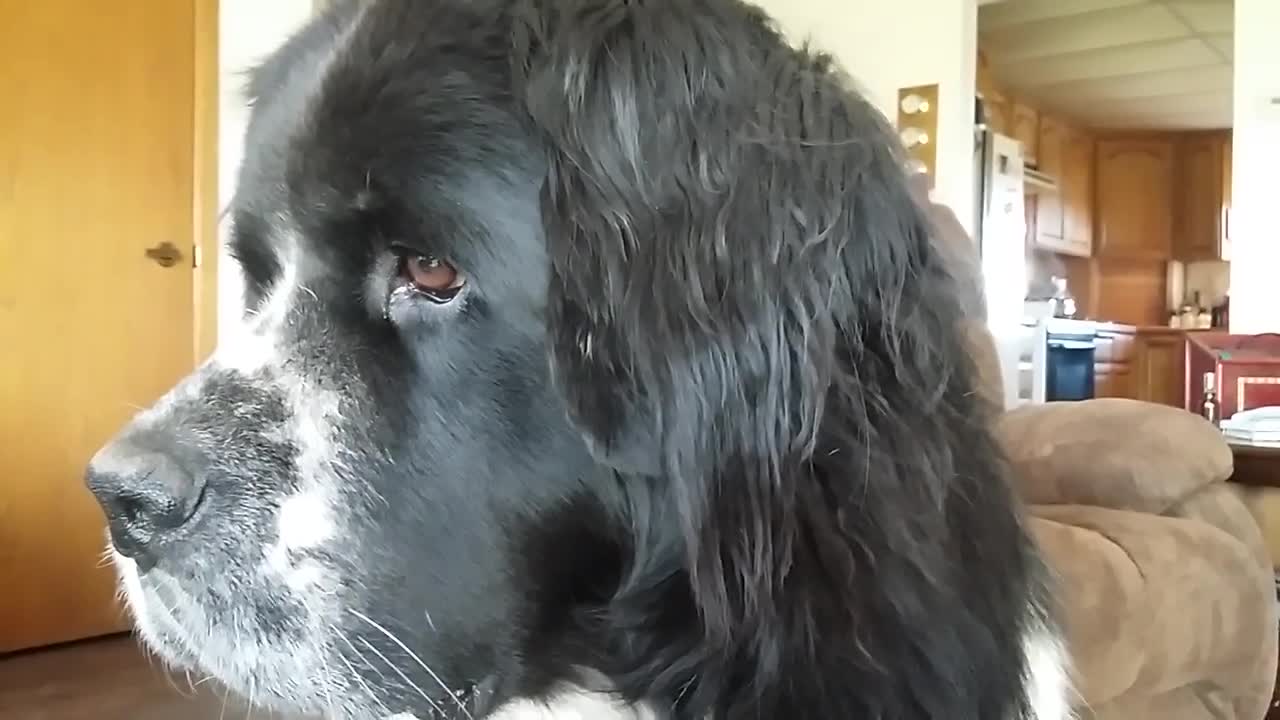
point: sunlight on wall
(1255, 234)
(885, 46)
(248, 30)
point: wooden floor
(107, 680)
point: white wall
(890, 44)
(1255, 235)
(247, 30)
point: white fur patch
(131, 590)
(1048, 684)
(305, 522)
(572, 705)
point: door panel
(96, 166)
(1135, 198)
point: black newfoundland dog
(598, 364)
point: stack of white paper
(1259, 426)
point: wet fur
(701, 433)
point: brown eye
(432, 276)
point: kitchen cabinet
(1050, 217)
(1134, 198)
(1132, 292)
(1225, 245)
(1025, 128)
(1078, 190)
(1064, 221)
(1140, 363)
(1203, 187)
(1113, 364)
(1158, 374)
(998, 110)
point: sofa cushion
(1112, 452)
(1152, 604)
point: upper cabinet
(1064, 219)
(1077, 190)
(1226, 196)
(1051, 228)
(999, 113)
(1024, 126)
(1203, 209)
(1134, 198)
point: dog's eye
(431, 276)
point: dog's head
(582, 339)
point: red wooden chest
(1246, 369)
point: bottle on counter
(1209, 408)
(1204, 319)
(1187, 316)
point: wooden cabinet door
(1050, 213)
(1134, 198)
(1077, 193)
(1159, 369)
(97, 164)
(1198, 212)
(1131, 292)
(1225, 250)
(1026, 130)
(1113, 365)
(998, 112)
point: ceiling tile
(1207, 79)
(1206, 16)
(1108, 62)
(1131, 25)
(1168, 123)
(1168, 104)
(1016, 12)
(1225, 44)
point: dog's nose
(144, 494)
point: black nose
(145, 494)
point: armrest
(1111, 452)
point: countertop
(1104, 326)
(1124, 329)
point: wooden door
(1113, 364)
(1050, 218)
(1134, 198)
(1225, 250)
(1132, 292)
(1160, 374)
(1198, 215)
(97, 163)
(1077, 192)
(1025, 128)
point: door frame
(204, 196)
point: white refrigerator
(1001, 228)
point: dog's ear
(739, 277)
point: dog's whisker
(328, 684)
(360, 655)
(253, 687)
(415, 658)
(355, 675)
(403, 676)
